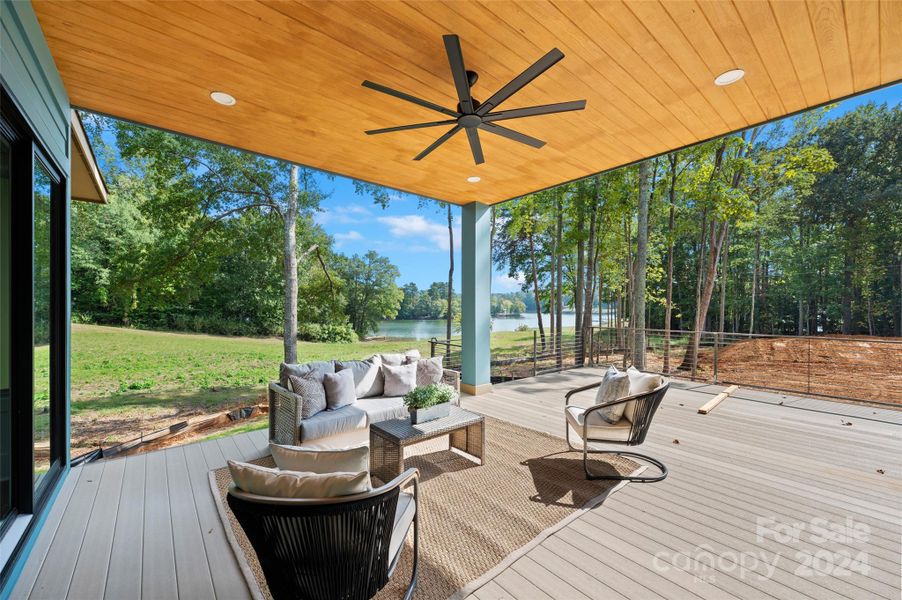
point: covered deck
(146, 526)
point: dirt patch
(860, 368)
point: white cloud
(506, 283)
(349, 214)
(341, 238)
(417, 226)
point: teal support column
(476, 282)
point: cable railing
(844, 367)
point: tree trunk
(559, 308)
(589, 294)
(641, 260)
(723, 285)
(450, 315)
(755, 270)
(578, 291)
(290, 271)
(535, 285)
(847, 294)
(668, 302)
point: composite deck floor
(740, 477)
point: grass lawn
(126, 381)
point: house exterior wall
(29, 75)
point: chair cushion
(332, 422)
(276, 483)
(429, 371)
(399, 379)
(400, 358)
(640, 383)
(384, 408)
(368, 380)
(343, 460)
(311, 391)
(339, 389)
(404, 514)
(614, 386)
(598, 427)
(299, 370)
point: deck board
(146, 526)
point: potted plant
(429, 402)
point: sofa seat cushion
(404, 514)
(332, 422)
(383, 408)
(598, 428)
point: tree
(638, 303)
(370, 290)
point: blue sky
(415, 238)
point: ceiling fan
(472, 115)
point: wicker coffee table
(465, 431)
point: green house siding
(29, 75)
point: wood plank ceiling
(646, 69)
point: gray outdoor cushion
(384, 408)
(429, 371)
(299, 370)
(312, 393)
(332, 422)
(400, 358)
(404, 513)
(615, 385)
(339, 389)
(368, 379)
(400, 379)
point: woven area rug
(472, 518)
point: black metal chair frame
(646, 406)
(327, 548)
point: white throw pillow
(399, 380)
(401, 358)
(345, 460)
(615, 385)
(264, 481)
(640, 383)
(339, 389)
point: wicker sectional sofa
(341, 427)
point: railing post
(716, 344)
(534, 349)
(809, 365)
(432, 347)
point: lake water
(426, 329)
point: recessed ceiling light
(223, 98)
(728, 77)
(474, 179)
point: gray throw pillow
(399, 380)
(339, 389)
(299, 370)
(429, 371)
(368, 379)
(615, 385)
(311, 391)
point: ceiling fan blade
(532, 111)
(475, 146)
(512, 135)
(521, 80)
(424, 103)
(414, 126)
(438, 142)
(459, 72)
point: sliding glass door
(33, 322)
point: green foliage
(369, 289)
(331, 333)
(429, 395)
